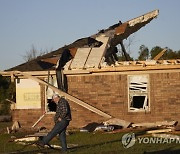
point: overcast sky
(50, 24)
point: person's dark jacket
(63, 110)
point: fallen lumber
(119, 122)
(38, 120)
(61, 93)
(158, 56)
(159, 131)
(39, 134)
(26, 139)
(155, 124)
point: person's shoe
(40, 144)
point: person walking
(61, 119)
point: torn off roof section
(116, 33)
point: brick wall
(109, 93)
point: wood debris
(155, 124)
(159, 131)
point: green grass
(90, 143)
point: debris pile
(119, 124)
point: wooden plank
(159, 55)
(40, 118)
(115, 72)
(61, 93)
(26, 139)
(78, 71)
(96, 54)
(159, 131)
(34, 73)
(80, 58)
(39, 134)
(135, 68)
(155, 124)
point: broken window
(138, 86)
(50, 105)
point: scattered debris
(108, 125)
(118, 122)
(104, 128)
(155, 124)
(39, 134)
(90, 127)
(15, 127)
(26, 139)
(115, 124)
(159, 131)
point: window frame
(146, 108)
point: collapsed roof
(89, 52)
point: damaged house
(98, 87)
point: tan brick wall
(109, 93)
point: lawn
(99, 142)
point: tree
(121, 54)
(121, 57)
(178, 54)
(169, 54)
(33, 54)
(155, 51)
(143, 53)
(7, 91)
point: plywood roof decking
(89, 57)
(96, 54)
(80, 58)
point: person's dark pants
(59, 128)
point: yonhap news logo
(129, 139)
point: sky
(51, 24)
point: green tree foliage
(143, 53)
(169, 54)
(7, 91)
(155, 51)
